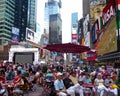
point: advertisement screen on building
(108, 40)
(15, 35)
(74, 36)
(30, 35)
(108, 11)
(74, 40)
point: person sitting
(108, 81)
(2, 91)
(18, 82)
(73, 77)
(87, 79)
(69, 85)
(99, 83)
(60, 87)
(82, 77)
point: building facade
(86, 10)
(25, 16)
(55, 29)
(7, 12)
(19, 14)
(52, 7)
(15, 17)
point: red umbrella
(67, 48)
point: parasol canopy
(67, 48)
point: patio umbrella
(67, 48)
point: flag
(118, 4)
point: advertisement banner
(15, 35)
(15, 38)
(107, 41)
(30, 35)
(108, 11)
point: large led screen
(23, 57)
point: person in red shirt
(114, 76)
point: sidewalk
(37, 91)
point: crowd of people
(65, 81)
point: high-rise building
(86, 7)
(55, 29)
(52, 7)
(7, 12)
(25, 16)
(16, 15)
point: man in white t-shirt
(60, 87)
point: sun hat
(59, 73)
(100, 74)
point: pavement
(37, 91)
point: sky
(68, 7)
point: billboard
(30, 35)
(108, 11)
(75, 20)
(15, 35)
(74, 36)
(107, 41)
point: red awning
(67, 48)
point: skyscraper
(15, 17)
(52, 7)
(7, 12)
(55, 29)
(25, 16)
(20, 14)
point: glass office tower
(51, 7)
(25, 16)
(7, 12)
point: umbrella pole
(66, 60)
